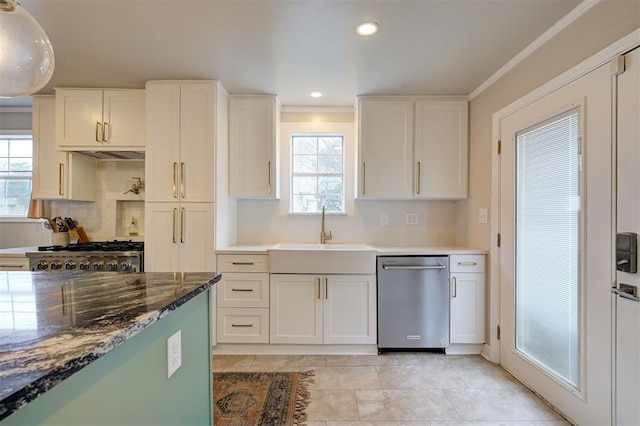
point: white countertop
(380, 250)
(16, 251)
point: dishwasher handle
(412, 267)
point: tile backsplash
(110, 215)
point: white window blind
(548, 246)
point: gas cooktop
(98, 246)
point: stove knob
(98, 265)
(112, 265)
(41, 265)
(56, 264)
(125, 266)
(83, 264)
(69, 265)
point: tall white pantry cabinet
(182, 122)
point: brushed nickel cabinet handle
(175, 211)
(243, 263)
(105, 129)
(98, 139)
(318, 288)
(242, 289)
(60, 178)
(364, 178)
(241, 325)
(326, 288)
(454, 283)
(11, 266)
(183, 185)
(418, 181)
(269, 177)
(182, 225)
(175, 183)
(467, 263)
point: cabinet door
(196, 237)
(385, 149)
(124, 119)
(467, 308)
(78, 118)
(243, 290)
(252, 147)
(162, 250)
(295, 309)
(349, 315)
(441, 149)
(50, 168)
(163, 146)
(196, 168)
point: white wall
(268, 221)
(23, 233)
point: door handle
(98, 138)
(182, 219)
(364, 177)
(326, 288)
(318, 288)
(241, 325)
(60, 178)
(183, 185)
(454, 287)
(418, 178)
(105, 129)
(175, 183)
(411, 267)
(242, 289)
(174, 225)
(269, 177)
(243, 263)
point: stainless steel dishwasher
(413, 302)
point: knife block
(60, 238)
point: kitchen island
(91, 348)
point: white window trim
(18, 219)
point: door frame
(491, 349)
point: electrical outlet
(483, 215)
(174, 353)
(384, 219)
(412, 218)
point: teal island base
(129, 385)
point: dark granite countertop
(54, 324)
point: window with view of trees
(317, 178)
(16, 168)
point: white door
(79, 118)
(349, 309)
(295, 309)
(162, 250)
(49, 164)
(467, 307)
(555, 260)
(197, 237)
(627, 326)
(124, 118)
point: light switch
(483, 215)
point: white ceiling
(432, 47)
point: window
(548, 246)
(317, 178)
(16, 167)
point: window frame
(293, 174)
(15, 135)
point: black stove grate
(98, 246)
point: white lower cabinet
(14, 264)
(243, 299)
(323, 309)
(467, 283)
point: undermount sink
(322, 259)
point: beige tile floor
(406, 389)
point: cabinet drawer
(243, 325)
(243, 263)
(14, 264)
(243, 290)
(466, 263)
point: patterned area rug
(250, 399)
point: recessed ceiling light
(316, 93)
(366, 29)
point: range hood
(114, 155)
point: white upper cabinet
(412, 147)
(57, 174)
(253, 146)
(180, 158)
(441, 149)
(386, 148)
(96, 119)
